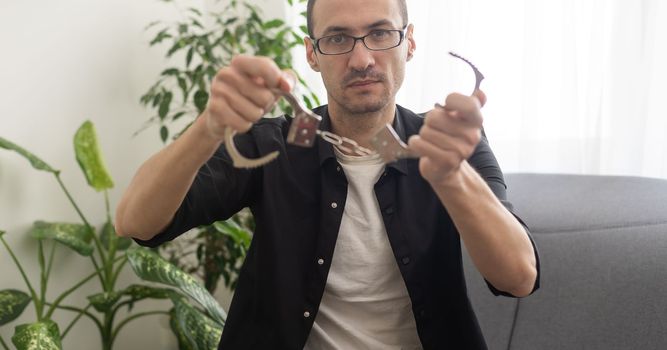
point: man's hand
(449, 136)
(241, 93)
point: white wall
(63, 62)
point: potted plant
(181, 92)
(195, 328)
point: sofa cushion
(603, 250)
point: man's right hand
(241, 93)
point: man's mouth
(362, 83)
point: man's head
(311, 3)
(362, 80)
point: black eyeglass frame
(401, 32)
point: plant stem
(97, 268)
(25, 278)
(51, 254)
(4, 345)
(132, 318)
(83, 218)
(112, 247)
(56, 303)
(114, 277)
(71, 200)
(81, 312)
(42, 278)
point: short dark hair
(311, 4)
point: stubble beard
(364, 103)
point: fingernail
(290, 79)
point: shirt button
(320, 261)
(306, 314)
(406, 260)
(389, 210)
(334, 205)
(338, 168)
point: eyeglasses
(376, 40)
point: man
(348, 253)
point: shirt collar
(326, 151)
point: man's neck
(360, 127)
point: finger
(449, 122)
(468, 107)
(447, 158)
(232, 119)
(481, 97)
(250, 88)
(254, 66)
(288, 80)
(243, 107)
(463, 144)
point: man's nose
(360, 56)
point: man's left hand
(449, 136)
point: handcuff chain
(343, 142)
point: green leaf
(230, 228)
(201, 99)
(161, 35)
(157, 99)
(273, 24)
(152, 267)
(164, 133)
(108, 237)
(34, 161)
(182, 83)
(170, 71)
(89, 157)
(12, 304)
(200, 331)
(195, 11)
(304, 29)
(164, 104)
(177, 115)
(103, 302)
(37, 336)
(183, 342)
(139, 292)
(74, 236)
(188, 56)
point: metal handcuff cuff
(305, 128)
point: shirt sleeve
(218, 191)
(484, 161)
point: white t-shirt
(365, 303)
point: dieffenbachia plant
(194, 328)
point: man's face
(361, 81)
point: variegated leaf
(37, 336)
(33, 159)
(201, 332)
(151, 267)
(12, 304)
(103, 302)
(90, 158)
(75, 236)
(108, 237)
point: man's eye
(337, 39)
(379, 34)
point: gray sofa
(603, 249)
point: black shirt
(297, 201)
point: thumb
(287, 80)
(481, 97)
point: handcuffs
(305, 129)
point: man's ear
(311, 55)
(412, 45)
